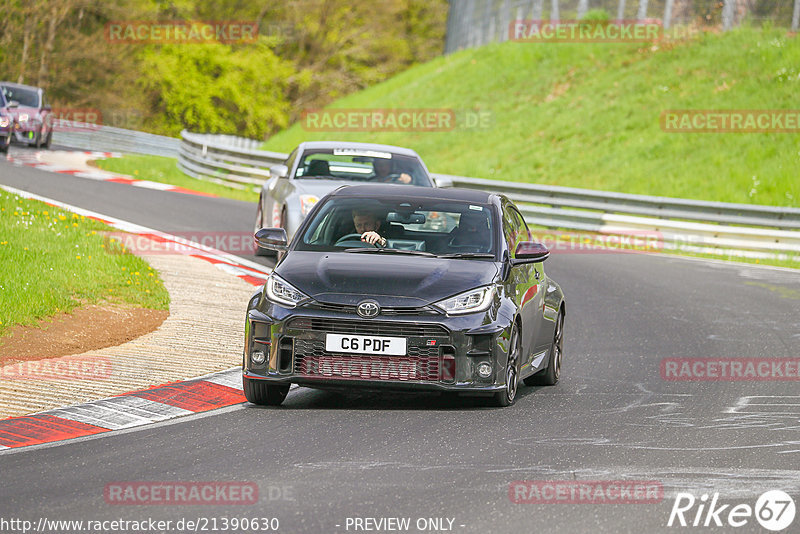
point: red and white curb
(129, 410)
(249, 271)
(34, 159)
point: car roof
(327, 145)
(412, 192)
(20, 86)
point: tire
(508, 396)
(550, 376)
(258, 226)
(4, 144)
(49, 140)
(263, 394)
(38, 142)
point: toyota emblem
(368, 308)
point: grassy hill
(587, 115)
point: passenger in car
(472, 230)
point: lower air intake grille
(421, 364)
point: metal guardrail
(680, 224)
(227, 159)
(111, 139)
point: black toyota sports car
(447, 295)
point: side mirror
(530, 252)
(272, 238)
(47, 108)
(279, 171)
(13, 104)
(441, 181)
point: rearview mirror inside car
(272, 238)
(406, 218)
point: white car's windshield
(361, 166)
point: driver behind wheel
(383, 172)
(372, 227)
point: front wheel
(4, 144)
(48, 140)
(263, 394)
(549, 377)
(508, 395)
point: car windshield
(428, 227)
(361, 166)
(25, 97)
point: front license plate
(386, 346)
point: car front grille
(311, 359)
(366, 327)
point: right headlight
(471, 301)
(4, 122)
(282, 292)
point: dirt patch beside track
(87, 328)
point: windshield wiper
(389, 251)
(467, 255)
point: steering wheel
(353, 240)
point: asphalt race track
(324, 457)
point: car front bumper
(443, 353)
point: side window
(290, 161)
(520, 226)
(508, 230)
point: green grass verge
(165, 170)
(54, 260)
(588, 115)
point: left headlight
(4, 122)
(471, 301)
(282, 292)
(23, 117)
(307, 202)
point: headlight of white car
(4, 122)
(23, 117)
(471, 301)
(307, 202)
(282, 292)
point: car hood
(23, 110)
(319, 188)
(391, 279)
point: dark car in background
(314, 169)
(466, 310)
(31, 112)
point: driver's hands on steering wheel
(373, 238)
(404, 178)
